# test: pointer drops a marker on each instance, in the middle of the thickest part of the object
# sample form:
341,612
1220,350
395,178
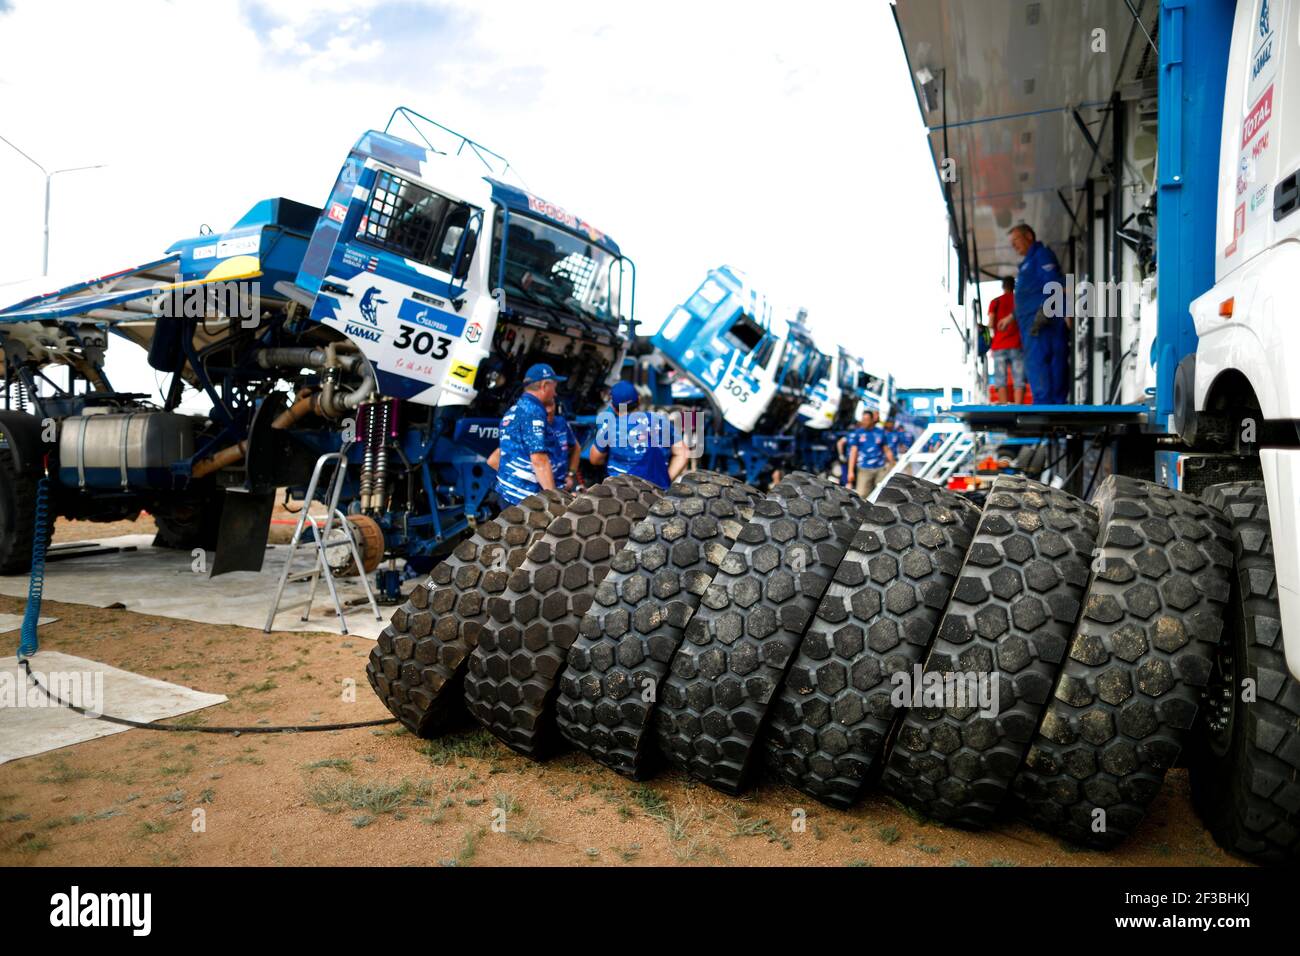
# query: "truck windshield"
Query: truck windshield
558,270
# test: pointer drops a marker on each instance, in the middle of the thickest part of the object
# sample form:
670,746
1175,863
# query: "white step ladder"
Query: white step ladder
953,444
330,530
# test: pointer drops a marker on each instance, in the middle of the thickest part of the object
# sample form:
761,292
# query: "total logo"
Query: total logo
473,332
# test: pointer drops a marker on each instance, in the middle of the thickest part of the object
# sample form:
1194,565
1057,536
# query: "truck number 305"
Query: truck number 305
736,388
422,343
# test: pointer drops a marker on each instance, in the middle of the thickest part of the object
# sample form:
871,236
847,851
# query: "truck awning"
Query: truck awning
1016,93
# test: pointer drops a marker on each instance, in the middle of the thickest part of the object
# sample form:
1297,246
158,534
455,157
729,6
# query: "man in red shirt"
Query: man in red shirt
1008,359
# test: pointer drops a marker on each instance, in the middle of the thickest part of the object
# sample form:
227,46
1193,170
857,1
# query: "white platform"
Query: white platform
162,581
30,724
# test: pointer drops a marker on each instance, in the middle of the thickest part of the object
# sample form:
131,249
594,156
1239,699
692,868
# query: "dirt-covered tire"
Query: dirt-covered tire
512,676
829,724
748,628
1126,700
1009,623
186,522
17,516
417,665
627,639
1245,765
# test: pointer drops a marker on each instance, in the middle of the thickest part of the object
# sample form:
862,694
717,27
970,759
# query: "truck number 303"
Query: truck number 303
422,343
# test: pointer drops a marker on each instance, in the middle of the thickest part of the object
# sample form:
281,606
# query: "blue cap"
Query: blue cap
623,393
540,373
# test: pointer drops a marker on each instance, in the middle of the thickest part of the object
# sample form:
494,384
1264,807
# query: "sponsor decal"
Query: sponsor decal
561,215
1258,117
370,303
338,211
473,332
463,372
239,246
1238,227
204,252
352,330
430,318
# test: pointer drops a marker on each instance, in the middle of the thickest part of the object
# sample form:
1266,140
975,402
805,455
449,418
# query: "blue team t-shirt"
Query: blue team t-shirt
635,444
870,443
525,431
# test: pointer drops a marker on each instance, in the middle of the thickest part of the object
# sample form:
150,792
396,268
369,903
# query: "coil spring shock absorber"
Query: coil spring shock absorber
376,427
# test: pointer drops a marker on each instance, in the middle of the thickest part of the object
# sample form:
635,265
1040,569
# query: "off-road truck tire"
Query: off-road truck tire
627,639
512,676
417,665
1008,623
829,723
1245,764
17,516
748,628
1126,700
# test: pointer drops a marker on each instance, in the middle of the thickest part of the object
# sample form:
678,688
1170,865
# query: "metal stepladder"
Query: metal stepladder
332,522
952,444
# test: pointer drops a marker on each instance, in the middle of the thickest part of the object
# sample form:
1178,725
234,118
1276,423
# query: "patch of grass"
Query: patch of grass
207,796
31,843
996,862
62,774
17,817
505,802
651,802
149,828
530,832
332,763
628,853
857,863
364,820
888,835
468,848
375,798
476,745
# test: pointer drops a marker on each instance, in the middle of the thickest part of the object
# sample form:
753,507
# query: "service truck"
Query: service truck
1154,147
394,320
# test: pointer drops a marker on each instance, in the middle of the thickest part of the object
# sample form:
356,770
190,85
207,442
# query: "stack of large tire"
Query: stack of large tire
1038,656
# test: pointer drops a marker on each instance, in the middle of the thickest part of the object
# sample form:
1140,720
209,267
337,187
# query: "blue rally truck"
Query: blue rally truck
1152,147
394,321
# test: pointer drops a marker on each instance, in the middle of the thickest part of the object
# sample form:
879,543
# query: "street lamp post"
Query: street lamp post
49,177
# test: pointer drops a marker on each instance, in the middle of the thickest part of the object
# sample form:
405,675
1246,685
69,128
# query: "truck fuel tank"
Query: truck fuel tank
123,449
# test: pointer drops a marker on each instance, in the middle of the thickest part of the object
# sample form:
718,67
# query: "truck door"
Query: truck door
1249,156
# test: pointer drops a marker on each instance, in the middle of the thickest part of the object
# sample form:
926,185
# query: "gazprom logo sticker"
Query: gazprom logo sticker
429,317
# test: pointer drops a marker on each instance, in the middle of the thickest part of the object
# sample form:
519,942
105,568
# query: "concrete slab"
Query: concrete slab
30,723
14,622
163,581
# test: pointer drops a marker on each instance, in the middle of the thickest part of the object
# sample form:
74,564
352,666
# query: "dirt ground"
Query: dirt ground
379,796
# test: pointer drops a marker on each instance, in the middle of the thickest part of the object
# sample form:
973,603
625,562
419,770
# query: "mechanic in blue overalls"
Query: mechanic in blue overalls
536,441
1044,337
633,442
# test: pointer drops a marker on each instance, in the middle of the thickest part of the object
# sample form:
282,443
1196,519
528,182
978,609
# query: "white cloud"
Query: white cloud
783,140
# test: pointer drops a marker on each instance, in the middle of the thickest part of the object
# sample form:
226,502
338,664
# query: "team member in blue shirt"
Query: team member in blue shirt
536,442
1044,338
632,442
869,453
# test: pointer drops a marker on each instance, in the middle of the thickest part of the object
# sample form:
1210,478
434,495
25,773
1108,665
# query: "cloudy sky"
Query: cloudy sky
781,138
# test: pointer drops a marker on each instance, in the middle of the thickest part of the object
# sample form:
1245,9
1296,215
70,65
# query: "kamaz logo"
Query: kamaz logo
361,332
1263,19
370,303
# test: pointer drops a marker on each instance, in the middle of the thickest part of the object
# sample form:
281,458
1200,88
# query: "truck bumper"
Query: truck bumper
1282,482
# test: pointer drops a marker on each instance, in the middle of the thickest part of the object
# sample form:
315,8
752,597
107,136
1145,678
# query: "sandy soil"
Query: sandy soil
381,796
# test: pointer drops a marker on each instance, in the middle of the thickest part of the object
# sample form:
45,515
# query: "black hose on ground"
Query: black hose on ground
237,731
